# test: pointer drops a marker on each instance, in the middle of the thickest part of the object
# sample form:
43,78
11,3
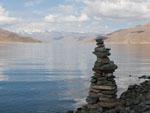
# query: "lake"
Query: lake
54,77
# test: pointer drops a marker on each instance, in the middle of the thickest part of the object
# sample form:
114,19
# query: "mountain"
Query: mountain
61,36
137,35
8,37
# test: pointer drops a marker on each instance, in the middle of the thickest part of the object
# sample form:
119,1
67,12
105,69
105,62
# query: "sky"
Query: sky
82,16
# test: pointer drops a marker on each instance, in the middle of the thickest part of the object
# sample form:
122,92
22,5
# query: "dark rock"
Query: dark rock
108,105
105,82
105,60
113,92
147,111
147,102
100,45
92,99
102,55
102,50
101,95
99,110
130,75
118,109
93,80
144,77
108,67
104,87
70,111
137,97
99,39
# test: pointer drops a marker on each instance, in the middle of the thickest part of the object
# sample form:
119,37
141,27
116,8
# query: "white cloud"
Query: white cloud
97,16
30,27
50,18
5,18
66,18
29,3
72,18
118,9
63,9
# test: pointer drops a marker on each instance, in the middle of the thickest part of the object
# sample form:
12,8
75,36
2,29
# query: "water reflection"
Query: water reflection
132,60
41,78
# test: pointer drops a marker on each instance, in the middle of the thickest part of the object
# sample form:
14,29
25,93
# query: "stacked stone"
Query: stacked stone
103,87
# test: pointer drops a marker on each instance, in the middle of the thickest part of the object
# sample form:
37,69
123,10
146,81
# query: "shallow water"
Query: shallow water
54,77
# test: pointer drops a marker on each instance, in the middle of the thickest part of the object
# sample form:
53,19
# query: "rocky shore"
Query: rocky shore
102,96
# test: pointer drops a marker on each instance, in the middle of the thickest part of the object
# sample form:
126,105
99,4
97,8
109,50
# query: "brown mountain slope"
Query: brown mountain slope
137,35
8,37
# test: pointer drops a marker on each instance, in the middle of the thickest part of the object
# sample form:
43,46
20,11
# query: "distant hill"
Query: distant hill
137,35
62,36
8,37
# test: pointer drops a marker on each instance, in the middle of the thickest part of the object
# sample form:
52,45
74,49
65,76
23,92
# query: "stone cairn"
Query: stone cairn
102,96
102,93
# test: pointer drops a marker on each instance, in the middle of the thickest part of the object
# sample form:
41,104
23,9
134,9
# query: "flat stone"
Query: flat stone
94,77
70,111
93,106
93,80
92,100
100,45
112,92
147,111
107,83
102,78
101,55
107,99
101,49
93,94
108,67
147,102
99,39
108,104
94,90
144,77
103,87
97,64
109,74
97,70
101,95
108,77
98,75
103,60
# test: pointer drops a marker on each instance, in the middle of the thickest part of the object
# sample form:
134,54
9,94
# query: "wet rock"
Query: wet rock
93,80
144,77
104,87
137,97
147,111
99,39
102,55
108,67
70,111
91,99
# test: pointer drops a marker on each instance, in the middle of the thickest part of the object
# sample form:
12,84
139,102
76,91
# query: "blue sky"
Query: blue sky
96,16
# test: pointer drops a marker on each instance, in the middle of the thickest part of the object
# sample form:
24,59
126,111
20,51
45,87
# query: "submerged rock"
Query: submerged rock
144,77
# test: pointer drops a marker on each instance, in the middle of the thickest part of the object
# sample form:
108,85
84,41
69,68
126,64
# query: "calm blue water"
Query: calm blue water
54,77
